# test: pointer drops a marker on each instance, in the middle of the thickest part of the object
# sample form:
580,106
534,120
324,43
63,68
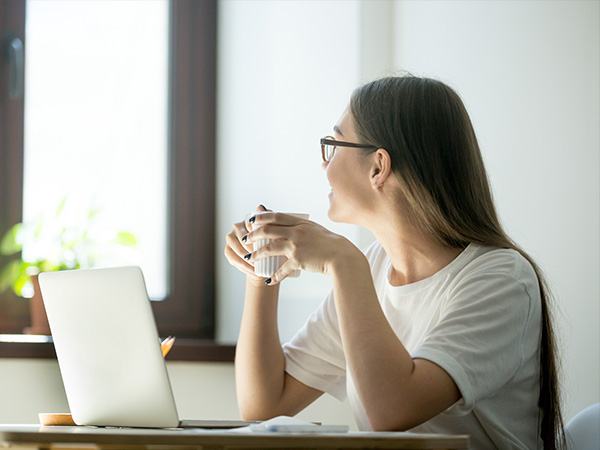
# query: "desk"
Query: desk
36,437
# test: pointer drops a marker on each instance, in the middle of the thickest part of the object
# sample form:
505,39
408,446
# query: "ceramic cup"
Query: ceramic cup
268,266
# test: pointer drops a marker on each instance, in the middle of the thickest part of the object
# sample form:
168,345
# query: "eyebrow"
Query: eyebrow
337,130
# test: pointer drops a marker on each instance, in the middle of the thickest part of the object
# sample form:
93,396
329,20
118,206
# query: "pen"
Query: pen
166,345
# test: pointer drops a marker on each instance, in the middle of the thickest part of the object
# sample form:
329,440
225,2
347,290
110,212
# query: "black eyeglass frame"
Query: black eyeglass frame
329,140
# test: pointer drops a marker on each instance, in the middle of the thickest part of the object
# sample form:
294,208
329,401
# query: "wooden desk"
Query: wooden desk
55,438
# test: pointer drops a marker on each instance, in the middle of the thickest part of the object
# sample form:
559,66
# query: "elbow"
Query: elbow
247,413
254,412
392,422
387,426
254,416
248,416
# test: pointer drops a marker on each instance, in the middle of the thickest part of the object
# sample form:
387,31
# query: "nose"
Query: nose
324,165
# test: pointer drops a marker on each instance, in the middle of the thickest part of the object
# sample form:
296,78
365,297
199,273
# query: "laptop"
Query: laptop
108,350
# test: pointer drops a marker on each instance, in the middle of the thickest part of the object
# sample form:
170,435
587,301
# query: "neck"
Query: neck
414,255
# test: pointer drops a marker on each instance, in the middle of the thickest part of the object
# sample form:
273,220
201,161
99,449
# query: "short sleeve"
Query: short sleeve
490,314
315,355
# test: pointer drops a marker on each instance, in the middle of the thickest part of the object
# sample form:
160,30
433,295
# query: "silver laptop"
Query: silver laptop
108,350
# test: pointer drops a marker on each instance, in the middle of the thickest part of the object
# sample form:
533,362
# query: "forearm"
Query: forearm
395,390
259,362
377,360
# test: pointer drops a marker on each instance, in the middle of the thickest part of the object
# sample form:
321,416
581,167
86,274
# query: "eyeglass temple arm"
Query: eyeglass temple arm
345,144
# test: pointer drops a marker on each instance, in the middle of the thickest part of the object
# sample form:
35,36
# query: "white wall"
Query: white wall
201,390
529,75
286,70
29,387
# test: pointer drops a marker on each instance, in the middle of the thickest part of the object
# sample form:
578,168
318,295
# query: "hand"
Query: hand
236,248
306,244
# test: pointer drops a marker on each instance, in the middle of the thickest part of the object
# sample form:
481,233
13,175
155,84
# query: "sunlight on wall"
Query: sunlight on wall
281,88
529,75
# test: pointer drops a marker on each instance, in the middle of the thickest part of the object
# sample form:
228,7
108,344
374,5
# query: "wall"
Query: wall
201,390
281,88
529,75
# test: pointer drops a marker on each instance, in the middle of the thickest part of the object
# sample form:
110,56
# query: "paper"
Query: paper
286,424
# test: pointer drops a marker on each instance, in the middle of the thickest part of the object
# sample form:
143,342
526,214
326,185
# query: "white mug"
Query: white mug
268,266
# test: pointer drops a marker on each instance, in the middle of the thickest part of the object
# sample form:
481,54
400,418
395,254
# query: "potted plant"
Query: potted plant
61,242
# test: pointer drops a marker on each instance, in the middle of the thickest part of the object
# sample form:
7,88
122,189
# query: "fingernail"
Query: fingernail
263,206
245,238
247,257
252,219
268,281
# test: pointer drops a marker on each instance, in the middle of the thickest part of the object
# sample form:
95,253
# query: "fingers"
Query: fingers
242,246
273,232
283,272
275,218
273,226
249,219
277,248
237,246
234,252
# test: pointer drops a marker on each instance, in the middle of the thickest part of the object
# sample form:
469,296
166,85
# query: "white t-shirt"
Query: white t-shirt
479,318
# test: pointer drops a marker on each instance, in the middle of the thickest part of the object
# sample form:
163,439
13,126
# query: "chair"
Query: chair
583,430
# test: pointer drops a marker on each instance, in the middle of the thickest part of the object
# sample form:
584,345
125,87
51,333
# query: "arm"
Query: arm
264,390
397,392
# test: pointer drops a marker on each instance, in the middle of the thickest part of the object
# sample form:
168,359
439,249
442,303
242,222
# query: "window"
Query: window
188,308
96,132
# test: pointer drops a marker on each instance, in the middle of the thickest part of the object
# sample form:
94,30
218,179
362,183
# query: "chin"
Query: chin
337,212
331,211
335,216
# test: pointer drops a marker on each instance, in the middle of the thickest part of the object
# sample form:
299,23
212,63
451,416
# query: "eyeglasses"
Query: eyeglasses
329,144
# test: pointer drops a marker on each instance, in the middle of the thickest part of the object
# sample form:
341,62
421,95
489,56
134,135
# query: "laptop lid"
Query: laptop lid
108,348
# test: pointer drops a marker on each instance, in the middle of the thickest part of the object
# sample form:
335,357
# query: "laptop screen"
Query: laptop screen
108,348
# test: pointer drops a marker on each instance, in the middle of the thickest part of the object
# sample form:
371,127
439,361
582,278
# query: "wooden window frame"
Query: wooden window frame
189,309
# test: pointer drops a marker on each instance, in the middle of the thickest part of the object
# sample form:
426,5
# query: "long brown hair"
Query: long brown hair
425,128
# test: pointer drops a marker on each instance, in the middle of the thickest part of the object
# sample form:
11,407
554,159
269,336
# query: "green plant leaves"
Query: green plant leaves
61,206
14,275
10,243
125,238
59,243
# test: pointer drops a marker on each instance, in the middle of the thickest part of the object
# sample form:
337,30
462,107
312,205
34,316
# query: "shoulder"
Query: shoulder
491,275
375,253
377,258
501,262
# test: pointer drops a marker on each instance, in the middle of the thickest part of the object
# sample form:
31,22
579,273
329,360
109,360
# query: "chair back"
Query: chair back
583,430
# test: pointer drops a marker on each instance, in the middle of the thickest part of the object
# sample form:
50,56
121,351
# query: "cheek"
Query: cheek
328,174
333,172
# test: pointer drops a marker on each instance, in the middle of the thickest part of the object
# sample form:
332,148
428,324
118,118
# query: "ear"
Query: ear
381,168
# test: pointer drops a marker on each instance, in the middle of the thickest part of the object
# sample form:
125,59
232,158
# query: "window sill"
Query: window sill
41,347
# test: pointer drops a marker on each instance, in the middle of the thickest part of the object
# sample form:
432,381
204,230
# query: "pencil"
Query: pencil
166,345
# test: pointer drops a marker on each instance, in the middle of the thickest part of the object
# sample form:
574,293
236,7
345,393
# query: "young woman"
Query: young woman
443,324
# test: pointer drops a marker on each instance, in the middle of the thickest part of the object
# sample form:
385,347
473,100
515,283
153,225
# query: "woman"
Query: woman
442,325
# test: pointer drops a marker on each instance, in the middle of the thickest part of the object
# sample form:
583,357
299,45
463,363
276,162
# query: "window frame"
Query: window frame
188,311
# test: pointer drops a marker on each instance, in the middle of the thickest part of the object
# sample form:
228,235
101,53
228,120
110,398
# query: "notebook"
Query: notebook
108,350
